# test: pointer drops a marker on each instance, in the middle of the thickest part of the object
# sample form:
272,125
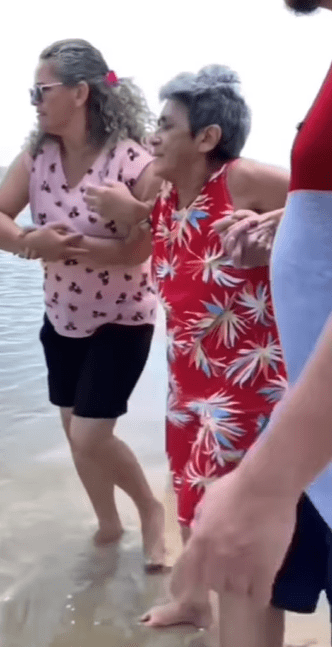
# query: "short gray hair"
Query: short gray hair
113,111
213,96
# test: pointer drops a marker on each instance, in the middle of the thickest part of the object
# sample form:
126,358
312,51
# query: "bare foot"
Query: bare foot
153,531
177,613
107,533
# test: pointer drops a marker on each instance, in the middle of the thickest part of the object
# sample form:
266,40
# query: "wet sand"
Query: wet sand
56,589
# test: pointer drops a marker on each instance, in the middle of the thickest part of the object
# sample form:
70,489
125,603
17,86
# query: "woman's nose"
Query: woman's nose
155,139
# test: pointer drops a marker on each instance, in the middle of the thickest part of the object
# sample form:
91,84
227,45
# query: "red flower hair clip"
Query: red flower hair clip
111,78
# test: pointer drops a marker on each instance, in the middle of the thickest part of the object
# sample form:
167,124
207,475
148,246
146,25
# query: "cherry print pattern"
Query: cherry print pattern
45,187
132,154
42,217
52,201
74,213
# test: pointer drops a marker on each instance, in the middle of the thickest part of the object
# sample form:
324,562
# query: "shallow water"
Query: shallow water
56,590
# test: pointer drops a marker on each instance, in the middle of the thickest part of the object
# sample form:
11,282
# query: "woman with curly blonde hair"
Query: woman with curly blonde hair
100,304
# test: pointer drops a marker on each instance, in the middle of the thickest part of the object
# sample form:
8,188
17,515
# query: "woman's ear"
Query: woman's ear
209,138
82,92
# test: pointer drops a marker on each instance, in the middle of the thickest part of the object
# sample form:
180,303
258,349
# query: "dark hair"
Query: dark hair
113,111
212,96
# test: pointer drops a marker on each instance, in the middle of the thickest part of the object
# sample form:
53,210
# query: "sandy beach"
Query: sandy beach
59,591
56,589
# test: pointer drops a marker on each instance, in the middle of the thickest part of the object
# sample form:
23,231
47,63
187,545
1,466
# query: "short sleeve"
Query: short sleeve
133,160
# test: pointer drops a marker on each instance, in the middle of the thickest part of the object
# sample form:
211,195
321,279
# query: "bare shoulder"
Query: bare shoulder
257,186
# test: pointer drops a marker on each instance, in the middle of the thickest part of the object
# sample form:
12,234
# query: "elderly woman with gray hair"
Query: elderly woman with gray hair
100,303
225,363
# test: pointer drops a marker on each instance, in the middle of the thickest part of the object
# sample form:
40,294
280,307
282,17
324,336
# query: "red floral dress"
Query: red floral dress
224,358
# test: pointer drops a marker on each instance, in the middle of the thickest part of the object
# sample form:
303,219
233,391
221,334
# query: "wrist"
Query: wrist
262,475
142,211
19,245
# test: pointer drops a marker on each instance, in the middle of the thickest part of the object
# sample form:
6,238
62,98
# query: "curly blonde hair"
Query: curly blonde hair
114,112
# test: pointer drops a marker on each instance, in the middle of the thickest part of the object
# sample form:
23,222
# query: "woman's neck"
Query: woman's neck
189,185
74,140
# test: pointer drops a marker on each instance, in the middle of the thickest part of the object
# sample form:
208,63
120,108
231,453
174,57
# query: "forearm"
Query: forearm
298,444
10,240
106,251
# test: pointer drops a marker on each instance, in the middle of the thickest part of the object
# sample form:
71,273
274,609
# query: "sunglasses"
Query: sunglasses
37,92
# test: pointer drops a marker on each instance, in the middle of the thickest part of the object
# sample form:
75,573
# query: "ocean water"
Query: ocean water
55,588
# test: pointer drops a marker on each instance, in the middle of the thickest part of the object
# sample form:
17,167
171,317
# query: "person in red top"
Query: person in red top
225,365
224,358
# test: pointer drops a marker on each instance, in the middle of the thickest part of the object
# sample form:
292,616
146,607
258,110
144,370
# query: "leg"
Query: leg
99,490
102,461
241,625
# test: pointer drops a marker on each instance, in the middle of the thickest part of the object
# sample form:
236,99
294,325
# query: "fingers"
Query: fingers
75,251
220,226
30,254
237,253
91,191
72,239
261,589
235,218
59,227
25,231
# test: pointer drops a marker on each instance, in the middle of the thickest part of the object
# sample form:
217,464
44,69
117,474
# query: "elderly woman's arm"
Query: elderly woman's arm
259,194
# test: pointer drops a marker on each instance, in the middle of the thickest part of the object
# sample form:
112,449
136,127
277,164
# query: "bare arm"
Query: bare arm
44,243
14,197
105,251
259,194
258,187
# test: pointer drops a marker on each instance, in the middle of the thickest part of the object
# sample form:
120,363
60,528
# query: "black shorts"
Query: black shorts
307,569
95,375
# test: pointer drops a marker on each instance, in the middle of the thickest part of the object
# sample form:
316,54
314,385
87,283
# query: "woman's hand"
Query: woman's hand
248,236
52,243
238,542
113,200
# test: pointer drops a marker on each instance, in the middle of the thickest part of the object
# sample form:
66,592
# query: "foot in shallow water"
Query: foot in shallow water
178,613
108,533
153,531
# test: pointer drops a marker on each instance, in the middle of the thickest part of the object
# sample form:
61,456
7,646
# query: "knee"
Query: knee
82,447
88,437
